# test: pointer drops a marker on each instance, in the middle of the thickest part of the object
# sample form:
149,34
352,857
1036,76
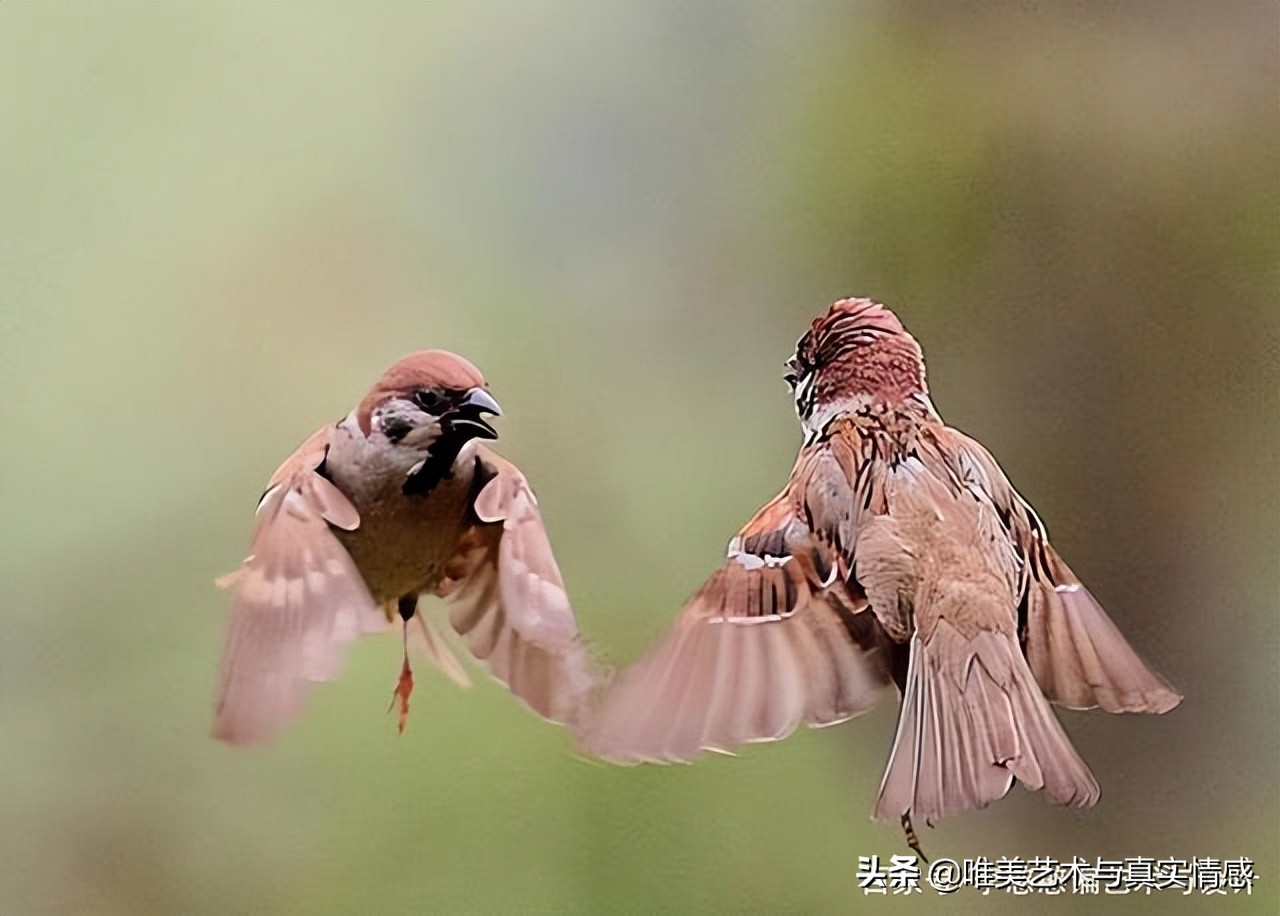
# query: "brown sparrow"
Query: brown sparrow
397,499
898,550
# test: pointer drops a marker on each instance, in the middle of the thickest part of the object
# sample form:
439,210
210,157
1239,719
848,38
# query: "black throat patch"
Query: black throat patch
438,465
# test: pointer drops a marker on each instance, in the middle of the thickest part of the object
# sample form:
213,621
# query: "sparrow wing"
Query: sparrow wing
297,601
1079,657
759,649
507,598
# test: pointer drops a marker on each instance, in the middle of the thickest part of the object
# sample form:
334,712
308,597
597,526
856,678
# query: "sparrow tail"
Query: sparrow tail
972,719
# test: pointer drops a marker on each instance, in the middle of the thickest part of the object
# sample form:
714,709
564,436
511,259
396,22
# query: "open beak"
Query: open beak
470,411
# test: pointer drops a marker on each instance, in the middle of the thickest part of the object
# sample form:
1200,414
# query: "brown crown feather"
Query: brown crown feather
421,369
859,346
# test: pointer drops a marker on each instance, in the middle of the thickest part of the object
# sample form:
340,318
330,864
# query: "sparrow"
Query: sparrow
398,499
897,552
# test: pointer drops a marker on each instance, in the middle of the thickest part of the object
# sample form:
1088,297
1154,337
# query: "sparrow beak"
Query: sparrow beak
470,410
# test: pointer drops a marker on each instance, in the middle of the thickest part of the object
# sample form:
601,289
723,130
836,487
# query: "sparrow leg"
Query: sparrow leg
912,840
408,606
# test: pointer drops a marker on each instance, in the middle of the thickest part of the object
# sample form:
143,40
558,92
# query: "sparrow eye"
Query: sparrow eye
429,399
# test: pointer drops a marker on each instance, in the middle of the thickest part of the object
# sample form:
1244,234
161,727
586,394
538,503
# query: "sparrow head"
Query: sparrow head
429,396
855,354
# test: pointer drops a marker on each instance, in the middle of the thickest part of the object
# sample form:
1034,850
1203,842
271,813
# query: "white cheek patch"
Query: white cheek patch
804,395
410,424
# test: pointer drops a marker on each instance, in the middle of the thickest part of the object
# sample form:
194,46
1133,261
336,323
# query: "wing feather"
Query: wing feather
756,651
508,601
1078,655
297,603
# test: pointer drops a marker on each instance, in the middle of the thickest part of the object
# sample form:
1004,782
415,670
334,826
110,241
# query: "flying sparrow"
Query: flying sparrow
897,551
397,499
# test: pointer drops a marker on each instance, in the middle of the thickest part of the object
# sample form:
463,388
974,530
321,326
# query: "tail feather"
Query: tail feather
972,719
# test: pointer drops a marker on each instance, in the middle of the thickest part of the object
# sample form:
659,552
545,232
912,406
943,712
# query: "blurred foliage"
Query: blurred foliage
220,223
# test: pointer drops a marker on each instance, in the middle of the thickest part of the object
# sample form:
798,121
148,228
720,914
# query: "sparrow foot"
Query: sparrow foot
400,699
912,840
404,687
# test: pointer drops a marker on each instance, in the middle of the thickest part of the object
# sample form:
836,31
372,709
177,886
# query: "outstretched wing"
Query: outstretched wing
762,647
508,601
297,602
1079,657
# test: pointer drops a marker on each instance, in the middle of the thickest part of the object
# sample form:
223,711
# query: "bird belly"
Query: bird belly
404,541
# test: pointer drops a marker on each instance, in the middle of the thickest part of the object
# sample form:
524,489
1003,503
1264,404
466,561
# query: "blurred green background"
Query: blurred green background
221,222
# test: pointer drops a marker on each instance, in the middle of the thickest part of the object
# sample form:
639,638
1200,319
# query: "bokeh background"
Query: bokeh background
221,222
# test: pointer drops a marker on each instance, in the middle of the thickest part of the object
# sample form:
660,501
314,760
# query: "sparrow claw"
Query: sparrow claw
400,699
912,840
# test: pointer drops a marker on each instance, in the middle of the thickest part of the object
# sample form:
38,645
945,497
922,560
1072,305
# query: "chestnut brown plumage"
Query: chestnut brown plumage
397,499
899,552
